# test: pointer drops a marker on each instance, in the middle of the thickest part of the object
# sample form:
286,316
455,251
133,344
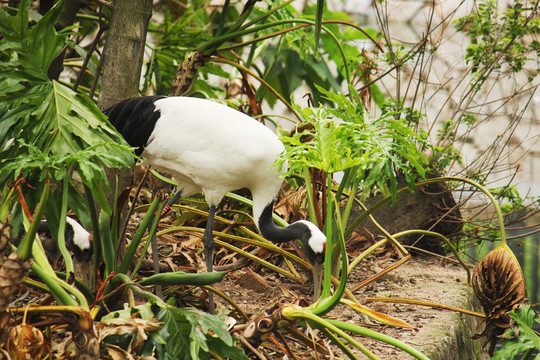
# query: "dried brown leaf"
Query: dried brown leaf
121,326
114,352
289,207
380,317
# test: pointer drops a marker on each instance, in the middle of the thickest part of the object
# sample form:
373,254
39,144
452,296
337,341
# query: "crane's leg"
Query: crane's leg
208,240
153,242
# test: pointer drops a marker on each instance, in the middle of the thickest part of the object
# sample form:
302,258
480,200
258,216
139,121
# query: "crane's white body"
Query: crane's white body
211,148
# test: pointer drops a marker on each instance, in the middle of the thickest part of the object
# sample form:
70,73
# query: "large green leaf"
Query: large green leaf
519,338
31,48
191,334
347,136
43,124
66,128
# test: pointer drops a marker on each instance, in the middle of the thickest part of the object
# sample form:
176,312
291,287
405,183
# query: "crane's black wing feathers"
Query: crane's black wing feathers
135,119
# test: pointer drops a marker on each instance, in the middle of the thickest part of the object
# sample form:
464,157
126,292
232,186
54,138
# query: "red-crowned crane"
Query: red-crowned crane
211,148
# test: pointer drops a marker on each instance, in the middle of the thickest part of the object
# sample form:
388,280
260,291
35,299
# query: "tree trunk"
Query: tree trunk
122,64
123,53
431,207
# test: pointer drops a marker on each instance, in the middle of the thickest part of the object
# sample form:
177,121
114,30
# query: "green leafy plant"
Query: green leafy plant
48,133
180,333
347,137
496,37
520,338
370,152
44,123
294,46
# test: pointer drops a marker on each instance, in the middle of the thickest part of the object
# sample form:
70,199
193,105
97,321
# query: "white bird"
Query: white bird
211,148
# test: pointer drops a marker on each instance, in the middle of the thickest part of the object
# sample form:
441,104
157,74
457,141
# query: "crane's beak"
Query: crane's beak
317,268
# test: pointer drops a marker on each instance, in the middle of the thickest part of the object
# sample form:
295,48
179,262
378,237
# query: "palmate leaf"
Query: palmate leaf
344,137
66,125
190,334
521,337
44,124
32,49
70,122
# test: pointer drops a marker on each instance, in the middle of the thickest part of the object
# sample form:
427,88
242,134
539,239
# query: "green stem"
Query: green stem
61,296
445,239
257,240
259,260
5,204
107,246
266,245
61,239
149,239
527,353
369,211
327,281
291,313
261,91
310,195
130,253
337,341
305,24
378,336
212,45
326,304
227,299
124,279
95,231
481,188
364,254
247,201
222,17
350,201
24,251
257,20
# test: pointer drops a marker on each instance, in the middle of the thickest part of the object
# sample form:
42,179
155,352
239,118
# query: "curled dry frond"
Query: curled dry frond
499,284
86,340
265,323
5,235
12,274
27,342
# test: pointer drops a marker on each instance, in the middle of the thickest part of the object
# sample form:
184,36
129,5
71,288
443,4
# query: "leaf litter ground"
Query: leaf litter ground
253,287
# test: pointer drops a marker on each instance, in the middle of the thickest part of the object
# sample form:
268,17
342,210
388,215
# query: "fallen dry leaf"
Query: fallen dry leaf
121,326
380,317
289,207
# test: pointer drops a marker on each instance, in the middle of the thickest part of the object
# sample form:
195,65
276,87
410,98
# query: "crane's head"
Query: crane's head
314,242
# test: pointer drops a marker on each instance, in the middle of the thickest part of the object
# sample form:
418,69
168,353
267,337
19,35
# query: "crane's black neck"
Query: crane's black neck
278,234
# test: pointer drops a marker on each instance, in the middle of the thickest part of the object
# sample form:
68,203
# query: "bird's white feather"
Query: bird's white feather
215,149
